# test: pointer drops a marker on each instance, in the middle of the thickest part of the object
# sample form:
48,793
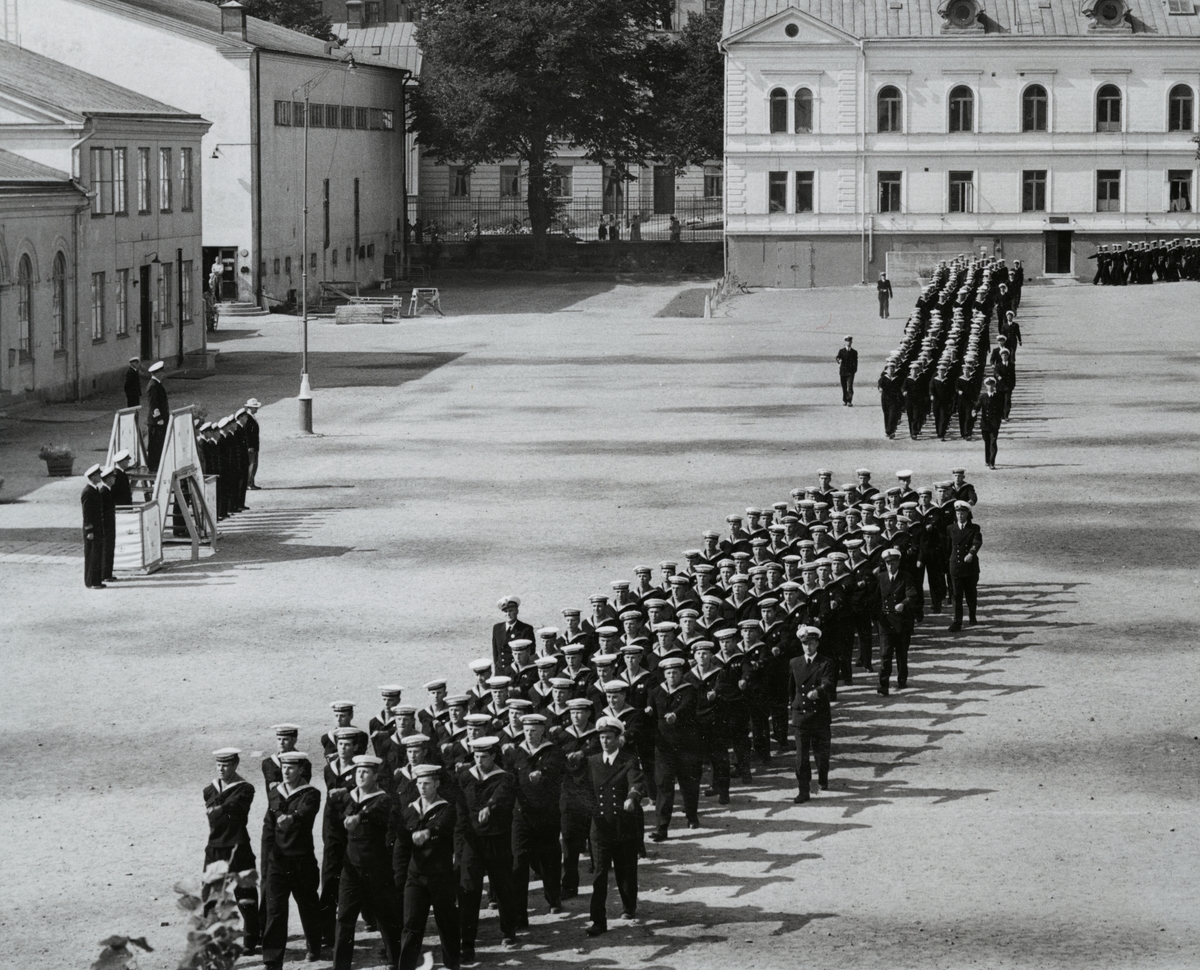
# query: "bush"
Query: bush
56,453
215,923
116,954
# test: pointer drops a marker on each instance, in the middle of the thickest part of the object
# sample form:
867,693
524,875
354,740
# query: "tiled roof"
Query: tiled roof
396,43
14,168
920,18
44,81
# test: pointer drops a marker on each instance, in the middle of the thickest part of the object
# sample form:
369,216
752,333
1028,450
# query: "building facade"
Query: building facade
862,137
251,79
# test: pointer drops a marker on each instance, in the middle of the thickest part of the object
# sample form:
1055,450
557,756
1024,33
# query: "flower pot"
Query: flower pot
60,467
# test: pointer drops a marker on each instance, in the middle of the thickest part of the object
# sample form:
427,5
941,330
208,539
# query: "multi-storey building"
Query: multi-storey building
873,133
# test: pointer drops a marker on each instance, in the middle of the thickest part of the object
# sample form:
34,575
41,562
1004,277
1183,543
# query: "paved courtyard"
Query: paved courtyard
1033,800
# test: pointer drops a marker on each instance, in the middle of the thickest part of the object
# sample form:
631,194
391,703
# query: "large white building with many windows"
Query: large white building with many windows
866,135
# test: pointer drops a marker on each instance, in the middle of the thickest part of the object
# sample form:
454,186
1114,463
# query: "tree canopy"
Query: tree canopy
302,15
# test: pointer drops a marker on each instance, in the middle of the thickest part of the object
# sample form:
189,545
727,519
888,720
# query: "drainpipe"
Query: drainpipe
77,176
179,304
862,152
256,173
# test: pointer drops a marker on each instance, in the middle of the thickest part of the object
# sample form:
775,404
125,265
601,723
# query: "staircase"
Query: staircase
240,310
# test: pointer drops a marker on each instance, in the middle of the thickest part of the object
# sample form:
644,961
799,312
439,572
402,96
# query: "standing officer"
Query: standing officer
121,489
884,290
539,767
990,409
109,505
227,801
676,747
241,440
430,822
895,611
93,529
504,632
156,401
963,540
252,407
811,682
133,384
617,789
847,359
289,860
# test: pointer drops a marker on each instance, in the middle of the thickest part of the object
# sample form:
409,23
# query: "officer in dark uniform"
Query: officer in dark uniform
289,863
506,631
963,541
133,383
617,789
121,489
109,507
990,410
242,442
896,606
429,822
252,441
811,680
538,766
156,421
676,747
227,801
93,529
847,358
735,699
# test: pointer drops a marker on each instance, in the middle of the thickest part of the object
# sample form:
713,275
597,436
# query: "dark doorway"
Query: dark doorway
145,319
228,257
614,191
664,190
1058,252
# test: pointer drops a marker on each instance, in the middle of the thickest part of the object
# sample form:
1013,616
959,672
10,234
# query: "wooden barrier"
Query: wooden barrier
138,546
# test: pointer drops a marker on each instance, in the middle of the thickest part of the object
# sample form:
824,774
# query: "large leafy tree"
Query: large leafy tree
518,78
689,89
302,15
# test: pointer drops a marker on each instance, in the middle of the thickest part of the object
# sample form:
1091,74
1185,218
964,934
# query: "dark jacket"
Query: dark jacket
990,408
893,592
288,824
436,856
959,542
366,842
539,781
612,785
501,637
847,359
682,736
93,512
122,493
804,677
156,398
227,813
133,388
497,793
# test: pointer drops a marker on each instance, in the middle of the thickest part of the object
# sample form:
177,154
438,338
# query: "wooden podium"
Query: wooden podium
139,540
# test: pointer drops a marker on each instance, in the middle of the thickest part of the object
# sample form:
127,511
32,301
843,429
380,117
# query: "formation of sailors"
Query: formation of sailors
228,448
734,654
1147,261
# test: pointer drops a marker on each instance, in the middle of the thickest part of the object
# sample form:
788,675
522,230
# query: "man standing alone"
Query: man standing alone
93,530
133,384
884,289
847,359
156,396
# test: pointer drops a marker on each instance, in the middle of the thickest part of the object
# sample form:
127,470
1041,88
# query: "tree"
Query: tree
688,79
518,78
302,15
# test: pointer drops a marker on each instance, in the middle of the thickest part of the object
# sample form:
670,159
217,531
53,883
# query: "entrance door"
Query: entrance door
614,191
146,324
664,190
1058,252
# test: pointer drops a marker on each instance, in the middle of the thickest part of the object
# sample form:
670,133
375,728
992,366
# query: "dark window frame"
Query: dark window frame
777,112
1033,190
889,109
962,109
1035,109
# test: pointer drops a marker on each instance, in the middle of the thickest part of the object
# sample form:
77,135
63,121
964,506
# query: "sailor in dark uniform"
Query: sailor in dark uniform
156,420
227,801
92,502
133,383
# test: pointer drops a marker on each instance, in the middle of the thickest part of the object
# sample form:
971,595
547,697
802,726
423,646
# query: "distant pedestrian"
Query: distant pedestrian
676,229
847,359
93,530
156,396
990,409
635,228
602,229
251,409
1016,282
884,289
214,280
133,384
108,500
614,228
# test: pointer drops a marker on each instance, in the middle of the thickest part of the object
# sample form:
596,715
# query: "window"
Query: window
1180,185
283,113
804,111
316,116
164,180
962,191
121,301
1108,108
370,250
58,302
287,265
1033,191
102,186
371,12
24,304
185,292
714,182
1108,190
120,189
332,113
143,180
804,191
388,120
166,312
1179,114
375,118
97,306
889,191
1034,108
298,114
360,118
312,260
333,258
1180,8
777,192
349,255
510,181
347,116
778,110
460,181
962,109
275,266
889,108
561,181
186,192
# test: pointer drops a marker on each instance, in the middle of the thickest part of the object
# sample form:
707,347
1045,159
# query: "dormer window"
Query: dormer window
960,15
1107,15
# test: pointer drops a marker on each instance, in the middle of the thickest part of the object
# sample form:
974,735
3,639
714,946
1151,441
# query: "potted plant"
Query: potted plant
59,459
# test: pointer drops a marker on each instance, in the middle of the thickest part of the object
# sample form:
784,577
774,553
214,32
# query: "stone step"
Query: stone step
241,310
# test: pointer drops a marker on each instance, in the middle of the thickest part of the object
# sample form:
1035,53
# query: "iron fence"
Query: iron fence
700,219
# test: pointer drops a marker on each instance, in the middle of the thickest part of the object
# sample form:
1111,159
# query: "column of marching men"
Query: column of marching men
734,656
940,367
1149,261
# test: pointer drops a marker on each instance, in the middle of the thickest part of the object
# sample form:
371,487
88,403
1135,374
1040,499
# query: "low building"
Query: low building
880,135
100,229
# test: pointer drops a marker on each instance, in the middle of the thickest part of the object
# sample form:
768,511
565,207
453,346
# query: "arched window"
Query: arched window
1034,108
1179,115
962,109
24,303
1108,108
779,100
58,300
804,111
889,108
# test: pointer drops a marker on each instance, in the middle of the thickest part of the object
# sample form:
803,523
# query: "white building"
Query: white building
249,78
872,133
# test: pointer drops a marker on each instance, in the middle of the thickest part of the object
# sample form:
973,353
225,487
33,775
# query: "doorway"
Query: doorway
227,255
664,190
1058,252
146,318
614,191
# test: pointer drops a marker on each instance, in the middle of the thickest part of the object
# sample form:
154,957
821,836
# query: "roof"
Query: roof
53,84
206,17
920,18
14,168
396,43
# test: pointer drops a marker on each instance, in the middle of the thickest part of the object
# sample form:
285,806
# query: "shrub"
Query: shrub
215,923
116,954
56,452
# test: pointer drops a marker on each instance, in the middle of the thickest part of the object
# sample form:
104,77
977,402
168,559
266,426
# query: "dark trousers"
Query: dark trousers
990,441
883,306
937,585
285,877
421,893
918,575
671,768
253,469
155,439
574,842
847,388
964,587
813,740
737,729
366,889
110,543
240,858
331,875
714,750
913,409
535,842
760,721
489,856
622,857
646,757
93,559
894,644
863,630
842,635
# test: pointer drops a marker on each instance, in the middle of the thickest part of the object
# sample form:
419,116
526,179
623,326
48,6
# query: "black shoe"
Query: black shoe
628,915
824,785
881,691
595,930
250,951
509,942
658,836
954,627
747,778
555,910
312,956
709,792
723,798
900,686
569,894
467,955
98,586
972,621
693,823
800,799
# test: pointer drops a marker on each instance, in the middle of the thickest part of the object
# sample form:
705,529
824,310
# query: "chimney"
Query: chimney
233,19
354,14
